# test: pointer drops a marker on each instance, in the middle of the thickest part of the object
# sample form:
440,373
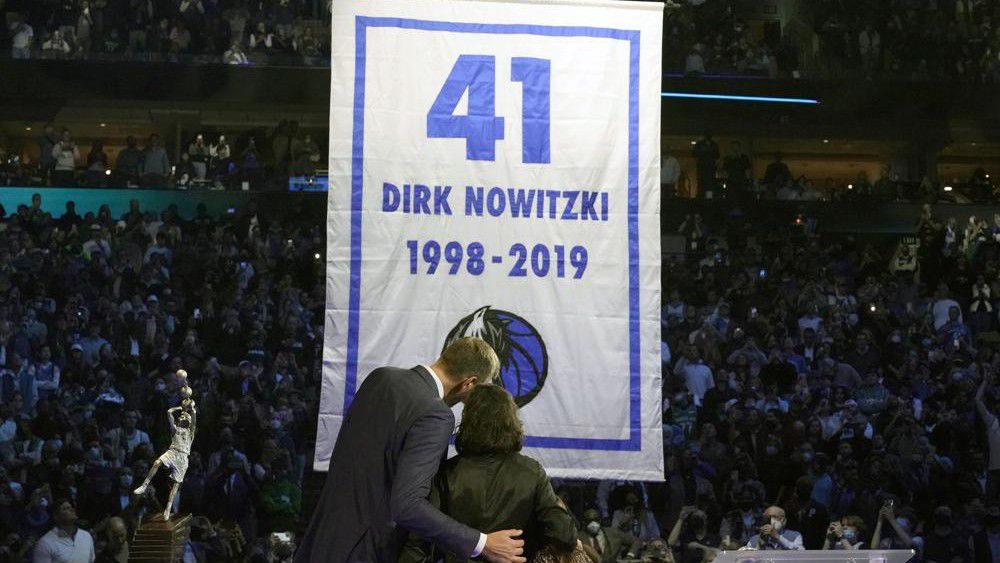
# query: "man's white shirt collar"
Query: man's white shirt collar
437,381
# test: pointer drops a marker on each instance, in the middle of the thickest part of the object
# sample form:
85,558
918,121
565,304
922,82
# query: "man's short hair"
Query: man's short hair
55,506
471,356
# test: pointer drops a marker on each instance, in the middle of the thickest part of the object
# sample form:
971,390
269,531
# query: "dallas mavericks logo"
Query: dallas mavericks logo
524,363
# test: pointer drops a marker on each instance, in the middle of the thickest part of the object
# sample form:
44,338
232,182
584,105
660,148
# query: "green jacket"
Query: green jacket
282,501
497,492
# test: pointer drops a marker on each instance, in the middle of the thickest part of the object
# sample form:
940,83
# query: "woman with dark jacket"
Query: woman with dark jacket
490,486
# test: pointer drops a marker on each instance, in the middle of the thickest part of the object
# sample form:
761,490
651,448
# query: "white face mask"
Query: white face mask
126,481
776,524
593,528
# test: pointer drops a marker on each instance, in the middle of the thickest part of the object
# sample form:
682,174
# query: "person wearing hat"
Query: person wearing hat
98,241
856,429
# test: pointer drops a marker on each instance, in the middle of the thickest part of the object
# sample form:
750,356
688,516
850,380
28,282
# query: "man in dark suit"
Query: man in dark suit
606,544
393,438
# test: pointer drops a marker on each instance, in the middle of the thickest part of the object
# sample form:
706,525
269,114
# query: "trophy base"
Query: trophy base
159,540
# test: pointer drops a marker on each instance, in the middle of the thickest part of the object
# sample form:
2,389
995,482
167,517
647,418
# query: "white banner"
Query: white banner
494,171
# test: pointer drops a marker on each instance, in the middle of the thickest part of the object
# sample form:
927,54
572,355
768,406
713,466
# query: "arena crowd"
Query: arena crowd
884,39
96,315
250,160
944,40
237,32
828,393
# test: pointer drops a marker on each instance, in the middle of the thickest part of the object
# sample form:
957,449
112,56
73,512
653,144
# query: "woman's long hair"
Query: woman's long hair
490,423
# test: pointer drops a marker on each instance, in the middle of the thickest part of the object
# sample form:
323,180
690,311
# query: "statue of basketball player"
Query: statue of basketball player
182,436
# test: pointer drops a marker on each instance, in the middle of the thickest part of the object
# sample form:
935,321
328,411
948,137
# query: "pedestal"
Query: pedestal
159,541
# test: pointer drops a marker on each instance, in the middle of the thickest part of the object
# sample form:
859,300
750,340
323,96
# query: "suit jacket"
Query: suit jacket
617,543
390,446
499,492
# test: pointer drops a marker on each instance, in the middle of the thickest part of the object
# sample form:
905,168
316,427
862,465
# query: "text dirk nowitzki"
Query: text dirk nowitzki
563,205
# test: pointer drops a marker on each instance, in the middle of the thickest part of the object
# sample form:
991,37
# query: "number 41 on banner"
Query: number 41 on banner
482,128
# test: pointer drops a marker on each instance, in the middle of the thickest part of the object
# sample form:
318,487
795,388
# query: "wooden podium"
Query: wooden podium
159,541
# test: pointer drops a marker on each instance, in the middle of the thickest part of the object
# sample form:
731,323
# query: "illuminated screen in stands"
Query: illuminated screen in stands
308,183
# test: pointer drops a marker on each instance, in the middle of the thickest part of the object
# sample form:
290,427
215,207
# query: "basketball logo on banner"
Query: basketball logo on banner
494,173
523,360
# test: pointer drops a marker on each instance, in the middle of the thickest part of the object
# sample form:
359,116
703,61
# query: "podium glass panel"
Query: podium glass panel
833,556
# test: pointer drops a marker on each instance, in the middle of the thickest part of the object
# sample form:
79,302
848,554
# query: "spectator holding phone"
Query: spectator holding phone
65,153
844,534
690,537
772,535
636,519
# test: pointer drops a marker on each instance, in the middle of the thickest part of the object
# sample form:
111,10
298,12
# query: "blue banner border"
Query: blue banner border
362,23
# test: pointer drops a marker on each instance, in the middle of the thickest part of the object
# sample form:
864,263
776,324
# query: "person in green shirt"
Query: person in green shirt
281,499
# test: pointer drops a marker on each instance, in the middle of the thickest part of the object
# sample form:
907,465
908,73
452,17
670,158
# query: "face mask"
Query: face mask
776,524
95,453
807,457
903,523
593,528
44,503
772,450
160,387
126,481
275,424
850,535
895,339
